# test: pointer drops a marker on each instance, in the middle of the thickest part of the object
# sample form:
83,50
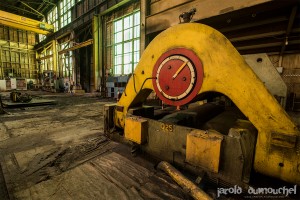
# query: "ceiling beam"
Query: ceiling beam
40,14
264,45
289,29
45,7
257,36
254,24
78,46
49,2
17,9
41,6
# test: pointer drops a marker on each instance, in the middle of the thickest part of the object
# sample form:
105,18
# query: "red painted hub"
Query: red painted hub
179,74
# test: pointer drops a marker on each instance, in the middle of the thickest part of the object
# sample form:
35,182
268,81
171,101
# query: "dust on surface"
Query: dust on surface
60,151
37,143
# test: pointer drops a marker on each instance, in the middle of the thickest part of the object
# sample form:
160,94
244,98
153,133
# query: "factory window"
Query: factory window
126,43
46,59
65,12
66,61
42,37
52,18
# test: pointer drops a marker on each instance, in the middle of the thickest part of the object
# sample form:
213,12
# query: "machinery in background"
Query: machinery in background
48,80
116,85
18,97
13,84
189,63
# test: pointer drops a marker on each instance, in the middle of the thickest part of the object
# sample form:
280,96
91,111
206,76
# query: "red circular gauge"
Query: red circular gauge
179,76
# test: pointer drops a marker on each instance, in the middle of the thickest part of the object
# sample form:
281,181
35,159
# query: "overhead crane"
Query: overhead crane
24,23
187,63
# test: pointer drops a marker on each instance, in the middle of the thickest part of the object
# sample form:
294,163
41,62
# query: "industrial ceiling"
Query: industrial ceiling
269,27
28,8
272,27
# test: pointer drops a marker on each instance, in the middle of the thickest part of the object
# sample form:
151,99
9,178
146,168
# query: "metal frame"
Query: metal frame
131,40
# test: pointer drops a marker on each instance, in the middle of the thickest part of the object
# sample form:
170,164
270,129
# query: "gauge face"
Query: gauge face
179,74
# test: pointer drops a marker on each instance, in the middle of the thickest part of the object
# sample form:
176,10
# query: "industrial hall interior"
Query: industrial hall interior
149,99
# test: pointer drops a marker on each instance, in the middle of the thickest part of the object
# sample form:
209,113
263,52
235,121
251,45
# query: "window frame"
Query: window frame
133,39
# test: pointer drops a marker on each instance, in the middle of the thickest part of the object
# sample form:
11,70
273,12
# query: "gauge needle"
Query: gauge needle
180,69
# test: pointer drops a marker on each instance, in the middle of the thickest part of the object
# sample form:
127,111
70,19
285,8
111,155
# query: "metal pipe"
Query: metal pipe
186,184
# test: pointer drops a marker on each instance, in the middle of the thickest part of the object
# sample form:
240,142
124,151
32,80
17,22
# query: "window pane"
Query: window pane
136,45
118,60
136,56
128,34
118,25
136,31
118,49
127,47
137,18
127,69
128,22
118,69
118,37
127,58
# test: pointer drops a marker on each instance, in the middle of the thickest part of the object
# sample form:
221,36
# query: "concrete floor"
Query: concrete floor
60,152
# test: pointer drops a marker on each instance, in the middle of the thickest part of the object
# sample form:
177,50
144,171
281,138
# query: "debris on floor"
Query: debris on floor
60,152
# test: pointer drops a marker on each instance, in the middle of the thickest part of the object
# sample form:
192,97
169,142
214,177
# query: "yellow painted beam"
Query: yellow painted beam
24,23
96,54
78,46
54,49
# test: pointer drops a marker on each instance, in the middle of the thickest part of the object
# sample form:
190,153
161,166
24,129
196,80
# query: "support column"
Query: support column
95,70
143,25
54,54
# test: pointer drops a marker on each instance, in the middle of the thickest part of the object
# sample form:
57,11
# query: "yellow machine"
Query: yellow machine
184,64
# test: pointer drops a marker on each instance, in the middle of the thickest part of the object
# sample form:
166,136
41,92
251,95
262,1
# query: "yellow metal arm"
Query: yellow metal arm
225,71
24,23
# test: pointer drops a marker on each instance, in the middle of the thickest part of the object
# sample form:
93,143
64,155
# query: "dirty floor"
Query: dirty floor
60,152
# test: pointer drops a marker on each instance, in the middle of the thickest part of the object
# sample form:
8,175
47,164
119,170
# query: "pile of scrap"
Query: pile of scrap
16,96
17,99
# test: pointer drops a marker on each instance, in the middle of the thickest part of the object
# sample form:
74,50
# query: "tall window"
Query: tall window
52,18
126,43
65,12
66,61
46,60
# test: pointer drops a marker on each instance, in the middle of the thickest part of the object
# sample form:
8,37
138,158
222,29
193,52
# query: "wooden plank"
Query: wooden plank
205,9
110,176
